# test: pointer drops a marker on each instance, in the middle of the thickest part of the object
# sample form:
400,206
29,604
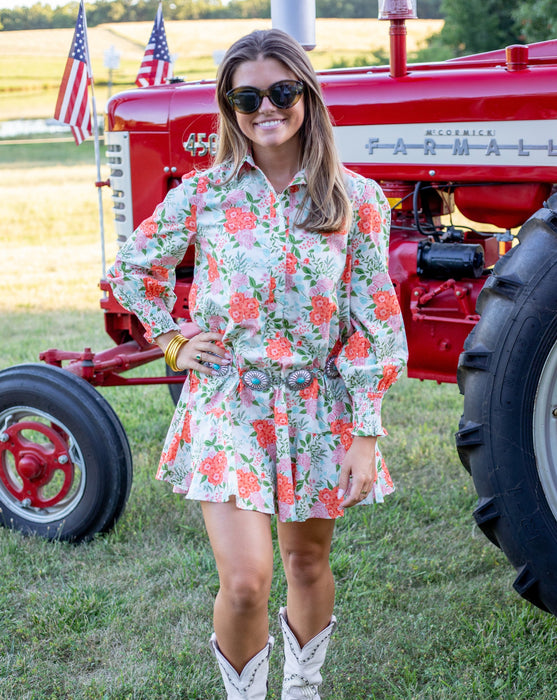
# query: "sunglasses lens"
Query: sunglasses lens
245,101
285,94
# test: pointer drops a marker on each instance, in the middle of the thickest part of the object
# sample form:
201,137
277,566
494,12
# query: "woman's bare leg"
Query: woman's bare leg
305,549
243,550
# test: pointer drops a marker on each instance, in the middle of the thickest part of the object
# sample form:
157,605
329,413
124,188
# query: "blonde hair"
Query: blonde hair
329,205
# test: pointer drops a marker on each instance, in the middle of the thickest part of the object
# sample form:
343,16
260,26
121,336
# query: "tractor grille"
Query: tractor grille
118,157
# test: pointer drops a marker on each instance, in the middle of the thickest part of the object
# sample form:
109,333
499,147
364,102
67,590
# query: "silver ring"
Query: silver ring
198,357
218,370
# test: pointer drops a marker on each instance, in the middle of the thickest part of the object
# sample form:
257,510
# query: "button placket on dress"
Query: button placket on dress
277,268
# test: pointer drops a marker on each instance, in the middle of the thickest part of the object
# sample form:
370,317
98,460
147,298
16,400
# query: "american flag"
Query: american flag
72,106
156,66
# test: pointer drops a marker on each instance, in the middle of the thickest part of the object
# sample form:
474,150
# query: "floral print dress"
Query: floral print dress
284,299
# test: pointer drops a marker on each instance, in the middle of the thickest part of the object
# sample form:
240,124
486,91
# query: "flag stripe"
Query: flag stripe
156,66
80,103
65,93
72,105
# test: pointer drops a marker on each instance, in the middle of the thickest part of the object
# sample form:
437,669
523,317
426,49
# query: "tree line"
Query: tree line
43,16
470,27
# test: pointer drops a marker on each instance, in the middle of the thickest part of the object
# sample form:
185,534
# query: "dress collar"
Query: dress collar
248,164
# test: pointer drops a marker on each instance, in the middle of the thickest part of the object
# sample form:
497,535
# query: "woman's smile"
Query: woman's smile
270,130
270,123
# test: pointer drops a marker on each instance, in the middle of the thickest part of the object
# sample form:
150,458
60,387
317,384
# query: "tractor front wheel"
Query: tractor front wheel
507,437
65,462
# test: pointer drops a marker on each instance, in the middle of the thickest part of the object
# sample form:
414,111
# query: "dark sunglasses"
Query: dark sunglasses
284,94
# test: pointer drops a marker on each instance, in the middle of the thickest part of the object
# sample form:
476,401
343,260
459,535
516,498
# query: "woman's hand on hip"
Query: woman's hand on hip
203,347
358,472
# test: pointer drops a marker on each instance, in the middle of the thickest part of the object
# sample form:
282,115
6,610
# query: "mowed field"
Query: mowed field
32,62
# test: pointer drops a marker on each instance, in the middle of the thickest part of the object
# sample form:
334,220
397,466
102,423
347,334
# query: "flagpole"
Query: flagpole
97,148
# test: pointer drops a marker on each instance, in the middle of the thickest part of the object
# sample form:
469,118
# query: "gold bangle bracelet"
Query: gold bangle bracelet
172,350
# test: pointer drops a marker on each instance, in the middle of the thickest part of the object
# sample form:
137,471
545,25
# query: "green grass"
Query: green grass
425,602
61,151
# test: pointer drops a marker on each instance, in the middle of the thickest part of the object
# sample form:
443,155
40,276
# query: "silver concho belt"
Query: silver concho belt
297,380
260,380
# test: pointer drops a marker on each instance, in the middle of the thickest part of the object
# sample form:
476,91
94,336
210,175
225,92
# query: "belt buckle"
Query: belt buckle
256,379
299,379
331,369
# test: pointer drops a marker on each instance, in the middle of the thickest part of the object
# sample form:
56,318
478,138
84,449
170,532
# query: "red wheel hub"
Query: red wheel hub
36,461
30,466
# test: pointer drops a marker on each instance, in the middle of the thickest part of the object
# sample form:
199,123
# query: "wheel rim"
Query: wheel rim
545,429
42,469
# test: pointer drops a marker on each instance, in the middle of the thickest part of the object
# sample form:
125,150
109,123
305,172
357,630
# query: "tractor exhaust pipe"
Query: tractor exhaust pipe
297,18
397,12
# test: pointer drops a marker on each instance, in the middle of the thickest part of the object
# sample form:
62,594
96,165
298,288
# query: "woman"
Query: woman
300,336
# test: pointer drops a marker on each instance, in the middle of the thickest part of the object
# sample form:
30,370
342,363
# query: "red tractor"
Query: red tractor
477,135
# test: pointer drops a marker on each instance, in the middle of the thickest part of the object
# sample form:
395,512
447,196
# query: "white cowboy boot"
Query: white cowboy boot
251,683
302,667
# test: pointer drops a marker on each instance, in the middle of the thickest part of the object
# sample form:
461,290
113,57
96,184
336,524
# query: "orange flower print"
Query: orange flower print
357,346
190,222
346,439
159,271
202,184
148,227
281,418
170,455
310,392
194,382
347,270
291,263
285,489
386,474
370,219
386,305
213,467
243,307
265,431
239,220
248,220
389,377
272,209
186,429
278,348
247,483
272,287
330,498
344,429
323,309
337,426
153,288
213,269
192,297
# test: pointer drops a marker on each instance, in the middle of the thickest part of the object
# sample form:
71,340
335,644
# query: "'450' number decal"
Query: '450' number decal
200,144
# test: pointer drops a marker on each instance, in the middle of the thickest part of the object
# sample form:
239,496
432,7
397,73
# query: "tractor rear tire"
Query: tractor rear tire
175,389
65,461
507,437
